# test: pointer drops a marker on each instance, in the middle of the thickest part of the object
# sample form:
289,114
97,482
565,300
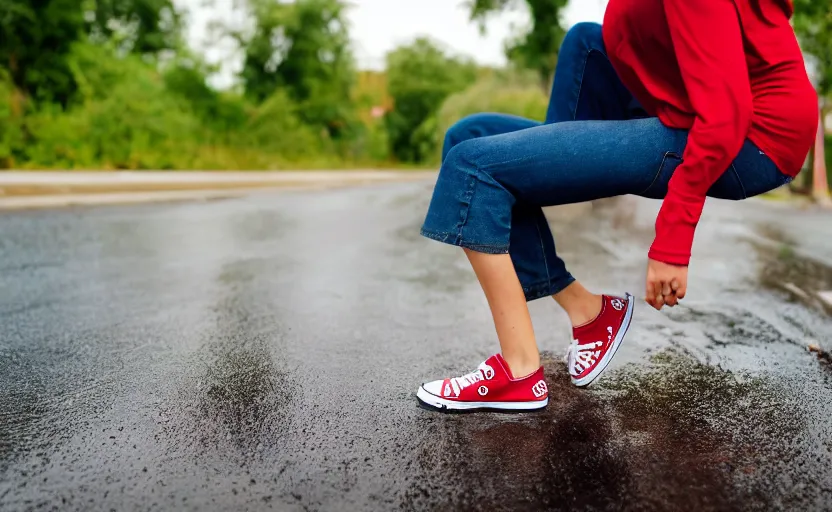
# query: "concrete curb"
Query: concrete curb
80,188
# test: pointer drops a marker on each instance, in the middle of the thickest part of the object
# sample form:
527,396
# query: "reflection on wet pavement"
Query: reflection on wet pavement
679,436
239,393
263,353
784,269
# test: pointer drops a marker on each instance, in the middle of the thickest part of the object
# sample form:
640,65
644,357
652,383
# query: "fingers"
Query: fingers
649,293
654,295
682,291
678,289
666,284
670,289
652,302
659,302
659,294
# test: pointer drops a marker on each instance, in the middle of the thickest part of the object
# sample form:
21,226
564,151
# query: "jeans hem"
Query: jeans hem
453,239
547,288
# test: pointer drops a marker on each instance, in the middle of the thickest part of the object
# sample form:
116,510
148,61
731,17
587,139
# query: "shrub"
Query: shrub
124,118
519,96
11,123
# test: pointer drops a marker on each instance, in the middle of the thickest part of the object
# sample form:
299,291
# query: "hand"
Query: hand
666,284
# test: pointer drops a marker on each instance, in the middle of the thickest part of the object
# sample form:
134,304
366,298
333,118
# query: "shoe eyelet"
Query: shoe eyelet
488,372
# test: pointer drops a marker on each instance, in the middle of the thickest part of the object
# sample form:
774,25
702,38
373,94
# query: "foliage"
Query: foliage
828,152
276,127
110,84
222,111
36,38
507,94
537,48
123,123
813,25
302,47
11,121
420,77
135,26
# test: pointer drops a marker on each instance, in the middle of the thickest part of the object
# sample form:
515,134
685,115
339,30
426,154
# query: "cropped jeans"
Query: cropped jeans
498,171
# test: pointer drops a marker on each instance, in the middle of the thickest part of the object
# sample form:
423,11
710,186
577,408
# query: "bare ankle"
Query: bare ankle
587,311
581,305
522,365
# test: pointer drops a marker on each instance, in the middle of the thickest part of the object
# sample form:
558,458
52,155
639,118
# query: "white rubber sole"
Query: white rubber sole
443,404
605,361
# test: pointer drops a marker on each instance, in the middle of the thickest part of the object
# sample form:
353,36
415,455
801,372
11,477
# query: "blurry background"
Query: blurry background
270,84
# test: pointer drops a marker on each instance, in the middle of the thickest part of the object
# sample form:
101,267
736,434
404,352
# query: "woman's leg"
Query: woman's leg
525,166
509,311
483,125
498,279
585,87
483,181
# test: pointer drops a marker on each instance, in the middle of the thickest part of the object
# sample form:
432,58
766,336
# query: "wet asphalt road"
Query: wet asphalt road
263,353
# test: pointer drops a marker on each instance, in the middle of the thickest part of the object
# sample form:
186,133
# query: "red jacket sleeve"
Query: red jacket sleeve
708,42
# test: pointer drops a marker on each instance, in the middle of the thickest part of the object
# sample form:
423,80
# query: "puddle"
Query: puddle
674,435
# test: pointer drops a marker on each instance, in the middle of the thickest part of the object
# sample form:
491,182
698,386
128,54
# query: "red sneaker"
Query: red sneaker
491,387
596,343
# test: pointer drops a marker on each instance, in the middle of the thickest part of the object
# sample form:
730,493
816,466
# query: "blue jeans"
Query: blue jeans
597,142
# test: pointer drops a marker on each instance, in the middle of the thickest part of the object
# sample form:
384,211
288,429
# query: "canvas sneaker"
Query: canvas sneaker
490,387
595,344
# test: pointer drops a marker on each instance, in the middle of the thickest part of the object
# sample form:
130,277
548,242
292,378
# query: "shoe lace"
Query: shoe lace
482,373
580,356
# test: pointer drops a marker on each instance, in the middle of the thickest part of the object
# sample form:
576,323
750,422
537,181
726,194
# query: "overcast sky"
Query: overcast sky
377,26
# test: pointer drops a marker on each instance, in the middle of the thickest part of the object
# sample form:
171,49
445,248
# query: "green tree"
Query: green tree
136,26
813,26
186,78
35,39
122,117
11,123
303,47
536,49
420,76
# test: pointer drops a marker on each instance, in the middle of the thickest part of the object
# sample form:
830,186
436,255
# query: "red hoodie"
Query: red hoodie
725,70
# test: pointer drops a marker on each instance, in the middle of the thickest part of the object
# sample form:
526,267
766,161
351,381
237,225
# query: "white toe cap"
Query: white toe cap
434,388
